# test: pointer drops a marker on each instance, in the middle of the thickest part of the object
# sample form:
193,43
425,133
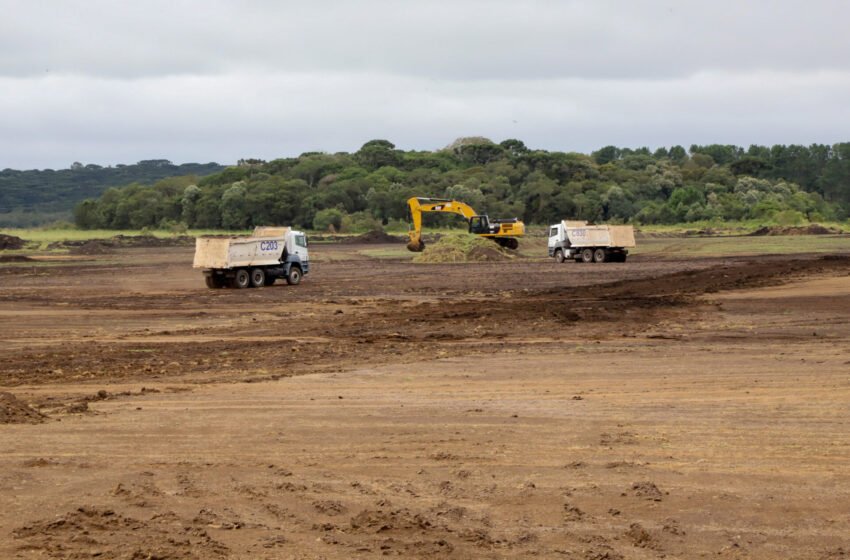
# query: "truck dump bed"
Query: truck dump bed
237,252
581,234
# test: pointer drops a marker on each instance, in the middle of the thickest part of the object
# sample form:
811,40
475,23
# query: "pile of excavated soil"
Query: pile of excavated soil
10,242
151,241
93,247
374,236
811,229
463,248
13,411
90,532
99,246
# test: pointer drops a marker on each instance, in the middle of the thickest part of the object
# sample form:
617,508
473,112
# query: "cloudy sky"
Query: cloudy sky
104,81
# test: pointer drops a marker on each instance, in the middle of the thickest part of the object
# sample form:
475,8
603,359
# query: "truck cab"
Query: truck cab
558,240
295,252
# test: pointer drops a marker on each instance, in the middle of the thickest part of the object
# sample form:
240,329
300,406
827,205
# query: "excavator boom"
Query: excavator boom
504,232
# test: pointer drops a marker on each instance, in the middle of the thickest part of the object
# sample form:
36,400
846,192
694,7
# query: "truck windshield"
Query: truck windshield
553,232
301,240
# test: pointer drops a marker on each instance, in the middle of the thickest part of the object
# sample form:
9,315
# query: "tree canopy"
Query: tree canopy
506,179
35,196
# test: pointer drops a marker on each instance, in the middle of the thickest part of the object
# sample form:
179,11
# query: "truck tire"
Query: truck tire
258,278
294,277
242,279
512,244
600,255
559,256
215,282
587,255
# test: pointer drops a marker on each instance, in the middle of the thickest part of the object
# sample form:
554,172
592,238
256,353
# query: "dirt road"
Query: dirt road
654,409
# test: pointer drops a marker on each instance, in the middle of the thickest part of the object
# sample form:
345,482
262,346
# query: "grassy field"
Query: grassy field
43,235
743,245
687,247
680,244
725,228
399,252
679,247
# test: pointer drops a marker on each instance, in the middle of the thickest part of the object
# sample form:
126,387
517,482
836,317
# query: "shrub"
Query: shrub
360,222
324,219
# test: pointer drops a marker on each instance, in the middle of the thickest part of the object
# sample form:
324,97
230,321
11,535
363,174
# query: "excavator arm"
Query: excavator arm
418,205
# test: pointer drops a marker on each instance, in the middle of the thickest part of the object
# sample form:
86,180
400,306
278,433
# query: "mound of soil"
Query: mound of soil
100,246
463,248
91,532
647,490
15,258
93,247
10,242
13,411
374,236
371,237
492,253
658,234
151,241
811,229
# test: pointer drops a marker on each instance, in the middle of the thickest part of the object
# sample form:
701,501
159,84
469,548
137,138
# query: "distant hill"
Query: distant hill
36,196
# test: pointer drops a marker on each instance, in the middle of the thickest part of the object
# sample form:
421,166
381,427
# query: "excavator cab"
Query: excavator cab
479,225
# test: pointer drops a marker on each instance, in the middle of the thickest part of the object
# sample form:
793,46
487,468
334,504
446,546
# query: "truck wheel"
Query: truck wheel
587,255
258,278
215,282
294,277
600,256
242,279
559,256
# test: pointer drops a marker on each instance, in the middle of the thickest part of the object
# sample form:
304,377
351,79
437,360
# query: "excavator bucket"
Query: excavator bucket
416,246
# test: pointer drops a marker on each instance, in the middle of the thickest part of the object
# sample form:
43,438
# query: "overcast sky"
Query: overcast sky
105,81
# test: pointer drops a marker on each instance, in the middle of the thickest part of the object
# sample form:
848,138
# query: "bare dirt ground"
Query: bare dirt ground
654,409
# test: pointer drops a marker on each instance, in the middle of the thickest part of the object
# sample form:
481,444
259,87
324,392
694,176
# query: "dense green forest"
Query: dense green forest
38,196
355,191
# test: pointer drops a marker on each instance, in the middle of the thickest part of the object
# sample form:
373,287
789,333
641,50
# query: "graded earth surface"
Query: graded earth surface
659,408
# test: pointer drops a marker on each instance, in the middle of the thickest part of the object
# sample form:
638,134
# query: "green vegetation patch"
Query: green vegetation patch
368,189
33,197
463,248
690,247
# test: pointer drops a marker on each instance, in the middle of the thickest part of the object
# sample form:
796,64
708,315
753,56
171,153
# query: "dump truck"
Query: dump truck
584,242
253,261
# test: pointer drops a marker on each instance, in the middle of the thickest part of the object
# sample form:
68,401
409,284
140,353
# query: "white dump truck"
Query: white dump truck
590,243
253,261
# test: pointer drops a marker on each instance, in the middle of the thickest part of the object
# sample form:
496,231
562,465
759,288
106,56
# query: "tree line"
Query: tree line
368,188
36,196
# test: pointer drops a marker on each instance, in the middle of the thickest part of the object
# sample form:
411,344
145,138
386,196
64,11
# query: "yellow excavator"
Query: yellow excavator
504,232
